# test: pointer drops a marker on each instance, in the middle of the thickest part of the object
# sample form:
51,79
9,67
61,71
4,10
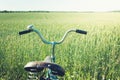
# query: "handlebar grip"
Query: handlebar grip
24,32
81,31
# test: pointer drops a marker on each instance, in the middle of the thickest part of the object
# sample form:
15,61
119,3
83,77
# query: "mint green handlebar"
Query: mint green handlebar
31,27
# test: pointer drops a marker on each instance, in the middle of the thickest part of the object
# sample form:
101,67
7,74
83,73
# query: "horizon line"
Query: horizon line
54,11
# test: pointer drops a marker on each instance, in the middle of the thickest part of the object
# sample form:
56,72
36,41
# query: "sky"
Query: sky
60,5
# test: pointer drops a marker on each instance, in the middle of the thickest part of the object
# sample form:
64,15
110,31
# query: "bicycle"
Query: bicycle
47,69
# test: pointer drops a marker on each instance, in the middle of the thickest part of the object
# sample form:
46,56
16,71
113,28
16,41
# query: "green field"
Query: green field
95,56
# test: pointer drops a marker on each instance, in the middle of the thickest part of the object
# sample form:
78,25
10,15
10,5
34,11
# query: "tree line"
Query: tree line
6,11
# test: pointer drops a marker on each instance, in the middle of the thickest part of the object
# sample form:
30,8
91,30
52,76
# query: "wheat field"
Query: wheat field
95,56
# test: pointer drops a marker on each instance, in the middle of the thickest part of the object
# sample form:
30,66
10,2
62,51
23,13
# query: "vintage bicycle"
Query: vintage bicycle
46,69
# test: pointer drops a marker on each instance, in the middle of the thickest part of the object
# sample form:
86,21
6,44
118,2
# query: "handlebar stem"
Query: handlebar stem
53,43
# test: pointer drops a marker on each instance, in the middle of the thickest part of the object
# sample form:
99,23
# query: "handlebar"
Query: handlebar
24,32
81,31
31,28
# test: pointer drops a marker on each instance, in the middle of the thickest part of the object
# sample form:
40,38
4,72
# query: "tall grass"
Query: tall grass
94,56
